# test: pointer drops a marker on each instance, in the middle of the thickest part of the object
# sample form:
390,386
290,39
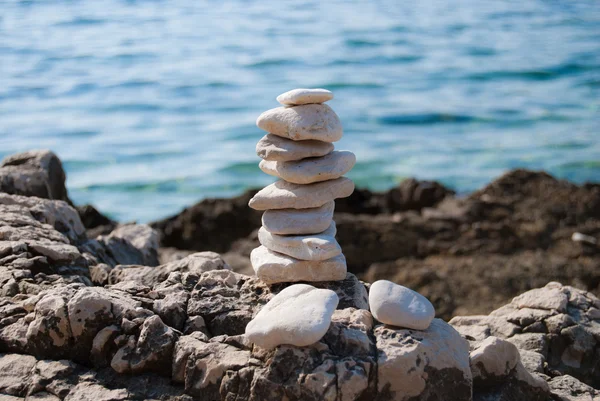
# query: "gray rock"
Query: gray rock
493,358
410,361
143,238
93,391
130,244
151,352
568,388
58,214
35,173
565,341
15,372
196,263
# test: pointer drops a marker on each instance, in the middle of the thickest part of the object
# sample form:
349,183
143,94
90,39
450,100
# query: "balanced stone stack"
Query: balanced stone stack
298,233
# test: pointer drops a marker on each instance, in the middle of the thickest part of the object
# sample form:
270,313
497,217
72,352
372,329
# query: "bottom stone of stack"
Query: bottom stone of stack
272,267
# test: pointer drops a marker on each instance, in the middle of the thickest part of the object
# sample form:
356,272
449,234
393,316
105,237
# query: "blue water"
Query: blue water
151,104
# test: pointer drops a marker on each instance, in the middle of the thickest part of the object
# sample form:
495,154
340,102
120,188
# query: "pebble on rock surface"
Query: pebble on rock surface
273,267
315,169
297,97
299,221
299,315
275,148
399,306
310,121
285,195
309,247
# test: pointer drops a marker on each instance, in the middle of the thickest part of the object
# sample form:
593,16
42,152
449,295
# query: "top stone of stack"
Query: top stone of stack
297,97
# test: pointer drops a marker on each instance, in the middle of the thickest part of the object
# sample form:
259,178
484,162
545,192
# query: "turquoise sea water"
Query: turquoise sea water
151,104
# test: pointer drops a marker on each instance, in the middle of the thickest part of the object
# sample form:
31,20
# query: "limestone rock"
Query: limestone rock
316,169
196,263
568,388
202,366
15,370
304,96
275,148
142,237
151,352
493,357
399,306
311,121
35,173
410,361
299,221
311,247
58,214
533,321
299,315
284,195
499,374
272,267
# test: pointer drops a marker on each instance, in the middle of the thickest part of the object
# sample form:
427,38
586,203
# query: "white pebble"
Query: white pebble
304,96
299,315
399,306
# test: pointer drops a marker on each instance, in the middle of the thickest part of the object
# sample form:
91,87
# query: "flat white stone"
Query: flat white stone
285,195
310,121
273,267
299,221
315,169
399,306
303,247
296,97
276,148
299,315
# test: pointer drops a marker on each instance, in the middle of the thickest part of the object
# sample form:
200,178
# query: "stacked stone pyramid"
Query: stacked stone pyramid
298,232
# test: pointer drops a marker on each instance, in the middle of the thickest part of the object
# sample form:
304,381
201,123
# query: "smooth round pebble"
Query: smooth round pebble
310,121
303,247
299,315
275,148
315,169
285,195
299,221
297,97
399,306
273,267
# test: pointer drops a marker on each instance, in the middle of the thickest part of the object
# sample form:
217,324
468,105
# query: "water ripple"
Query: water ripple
152,105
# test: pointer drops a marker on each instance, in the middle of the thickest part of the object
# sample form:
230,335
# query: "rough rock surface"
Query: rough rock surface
35,173
560,324
77,324
174,332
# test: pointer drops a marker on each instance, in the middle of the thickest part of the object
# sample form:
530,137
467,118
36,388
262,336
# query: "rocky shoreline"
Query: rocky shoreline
468,255
94,310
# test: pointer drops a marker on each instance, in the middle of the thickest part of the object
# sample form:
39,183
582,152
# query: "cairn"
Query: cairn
298,232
